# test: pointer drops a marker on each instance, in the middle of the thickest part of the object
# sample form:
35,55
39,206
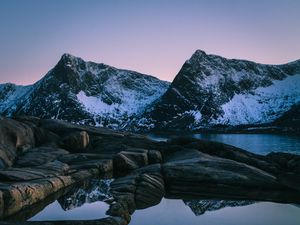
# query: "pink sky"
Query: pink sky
152,37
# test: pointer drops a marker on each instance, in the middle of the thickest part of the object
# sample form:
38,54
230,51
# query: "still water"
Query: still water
175,212
256,143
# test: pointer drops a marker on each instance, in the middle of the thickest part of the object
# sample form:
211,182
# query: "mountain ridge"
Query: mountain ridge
208,91
205,83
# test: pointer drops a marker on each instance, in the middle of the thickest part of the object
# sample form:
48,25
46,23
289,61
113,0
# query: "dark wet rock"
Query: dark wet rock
16,134
226,151
149,190
82,161
154,156
286,161
196,172
39,156
14,137
1,203
51,169
20,195
127,160
119,210
76,141
199,207
7,155
150,169
126,184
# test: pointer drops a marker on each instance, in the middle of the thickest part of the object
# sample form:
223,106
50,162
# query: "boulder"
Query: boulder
126,160
14,136
154,157
7,155
195,173
149,190
228,152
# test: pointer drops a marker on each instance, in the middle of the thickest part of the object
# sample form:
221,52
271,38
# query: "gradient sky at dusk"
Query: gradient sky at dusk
150,36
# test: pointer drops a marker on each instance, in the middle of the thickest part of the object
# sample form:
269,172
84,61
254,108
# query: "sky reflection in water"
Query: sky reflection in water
176,212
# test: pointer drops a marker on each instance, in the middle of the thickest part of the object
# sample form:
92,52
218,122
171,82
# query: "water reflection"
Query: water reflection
175,212
199,207
87,201
94,191
87,211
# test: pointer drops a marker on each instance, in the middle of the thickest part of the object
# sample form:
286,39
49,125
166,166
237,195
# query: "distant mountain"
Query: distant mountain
84,92
212,91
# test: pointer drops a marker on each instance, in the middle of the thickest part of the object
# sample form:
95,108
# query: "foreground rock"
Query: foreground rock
41,158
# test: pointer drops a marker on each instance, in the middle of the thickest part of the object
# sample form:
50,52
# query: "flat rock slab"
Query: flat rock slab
39,156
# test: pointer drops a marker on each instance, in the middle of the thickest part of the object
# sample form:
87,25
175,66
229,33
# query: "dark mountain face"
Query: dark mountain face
86,92
210,91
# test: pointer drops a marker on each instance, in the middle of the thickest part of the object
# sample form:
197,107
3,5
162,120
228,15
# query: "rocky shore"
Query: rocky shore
40,159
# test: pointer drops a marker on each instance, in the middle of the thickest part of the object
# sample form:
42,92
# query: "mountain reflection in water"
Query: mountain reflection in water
89,202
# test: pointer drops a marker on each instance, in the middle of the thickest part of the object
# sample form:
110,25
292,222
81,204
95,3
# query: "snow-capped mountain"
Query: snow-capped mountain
212,91
11,95
209,91
84,92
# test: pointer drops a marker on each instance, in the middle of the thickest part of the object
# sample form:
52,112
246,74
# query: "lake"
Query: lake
88,202
256,143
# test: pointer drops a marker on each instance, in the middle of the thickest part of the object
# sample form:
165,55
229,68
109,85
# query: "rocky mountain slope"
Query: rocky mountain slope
84,92
211,91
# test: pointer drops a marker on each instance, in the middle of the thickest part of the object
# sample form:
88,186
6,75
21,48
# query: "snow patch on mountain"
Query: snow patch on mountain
262,105
11,95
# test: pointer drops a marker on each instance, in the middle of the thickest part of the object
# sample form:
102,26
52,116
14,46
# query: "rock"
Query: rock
1,203
14,136
150,169
17,134
149,190
287,162
7,155
193,172
126,184
227,151
125,160
119,210
20,195
39,156
76,141
154,157
51,169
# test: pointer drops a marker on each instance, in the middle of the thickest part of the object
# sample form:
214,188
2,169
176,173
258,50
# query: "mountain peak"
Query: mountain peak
199,53
68,56
70,60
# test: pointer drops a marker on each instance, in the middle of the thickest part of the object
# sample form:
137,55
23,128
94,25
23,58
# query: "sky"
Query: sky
154,37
